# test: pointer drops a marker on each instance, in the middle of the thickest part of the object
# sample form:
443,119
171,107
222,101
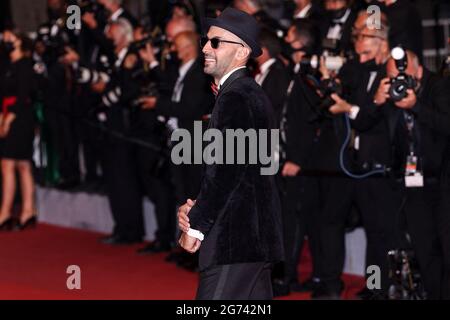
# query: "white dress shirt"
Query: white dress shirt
304,12
264,71
225,77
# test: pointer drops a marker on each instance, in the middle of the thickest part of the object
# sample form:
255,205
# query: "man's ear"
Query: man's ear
243,53
419,74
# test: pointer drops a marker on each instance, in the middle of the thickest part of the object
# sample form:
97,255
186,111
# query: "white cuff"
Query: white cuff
354,112
153,65
196,234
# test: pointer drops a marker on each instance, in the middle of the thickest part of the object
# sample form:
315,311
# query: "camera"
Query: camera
156,42
402,82
331,63
92,6
54,39
405,276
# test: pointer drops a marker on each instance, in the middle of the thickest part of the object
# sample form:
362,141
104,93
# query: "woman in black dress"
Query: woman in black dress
16,130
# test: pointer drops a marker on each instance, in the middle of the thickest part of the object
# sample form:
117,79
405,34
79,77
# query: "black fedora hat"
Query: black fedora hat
239,23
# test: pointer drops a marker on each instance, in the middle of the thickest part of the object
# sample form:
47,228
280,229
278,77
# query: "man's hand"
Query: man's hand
130,61
290,169
341,106
382,94
99,87
89,19
190,244
147,54
408,102
70,57
183,219
148,103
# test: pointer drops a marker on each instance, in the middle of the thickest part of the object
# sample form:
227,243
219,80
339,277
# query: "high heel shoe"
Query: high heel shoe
7,225
30,223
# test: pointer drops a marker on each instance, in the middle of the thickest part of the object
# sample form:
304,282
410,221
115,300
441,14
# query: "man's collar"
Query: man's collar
116,14
266,65
225,77
302,13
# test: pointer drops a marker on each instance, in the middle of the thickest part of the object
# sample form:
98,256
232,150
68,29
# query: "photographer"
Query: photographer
367,159
336,28
414,102
59,93
298,132
189,101
121,175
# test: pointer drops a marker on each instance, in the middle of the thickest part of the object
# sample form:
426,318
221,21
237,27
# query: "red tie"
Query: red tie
214,88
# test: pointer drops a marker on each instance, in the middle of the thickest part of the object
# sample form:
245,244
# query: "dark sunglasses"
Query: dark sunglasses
215,42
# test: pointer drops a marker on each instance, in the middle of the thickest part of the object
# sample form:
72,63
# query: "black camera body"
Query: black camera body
399,86
402,82
156,42
92,6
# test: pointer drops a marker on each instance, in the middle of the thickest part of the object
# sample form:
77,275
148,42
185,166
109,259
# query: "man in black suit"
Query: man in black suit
405,25
189,101
337,26
235,221
298,133
273,75
376,197
121,176
420,127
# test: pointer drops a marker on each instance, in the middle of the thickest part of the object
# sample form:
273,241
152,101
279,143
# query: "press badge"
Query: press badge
413,178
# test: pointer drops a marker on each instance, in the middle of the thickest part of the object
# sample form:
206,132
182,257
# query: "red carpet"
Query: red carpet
33,266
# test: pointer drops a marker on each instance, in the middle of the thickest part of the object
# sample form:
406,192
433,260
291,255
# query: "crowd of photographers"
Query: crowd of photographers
364,130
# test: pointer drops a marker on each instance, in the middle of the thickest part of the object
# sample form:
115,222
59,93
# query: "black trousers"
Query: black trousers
300,219
245,281
379,201
421,212
156,183
123,190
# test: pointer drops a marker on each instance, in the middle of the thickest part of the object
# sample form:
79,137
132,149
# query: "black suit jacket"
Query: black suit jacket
301,123
238,209
345,43
196,100
432,126
275,86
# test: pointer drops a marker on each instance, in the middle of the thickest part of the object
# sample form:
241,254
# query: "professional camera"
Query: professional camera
92,6
331,63
445,69
405,276
54,38
156,42
402,82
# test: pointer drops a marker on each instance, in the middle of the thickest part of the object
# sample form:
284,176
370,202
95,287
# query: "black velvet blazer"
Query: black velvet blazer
238,209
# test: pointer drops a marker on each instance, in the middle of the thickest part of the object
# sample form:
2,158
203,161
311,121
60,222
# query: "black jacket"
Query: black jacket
432,126
196,100
301,125
275,86
238,209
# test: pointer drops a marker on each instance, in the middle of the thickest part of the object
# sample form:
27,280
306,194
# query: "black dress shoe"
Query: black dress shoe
8,224
280,288
154,247
322,292
307,286
115,240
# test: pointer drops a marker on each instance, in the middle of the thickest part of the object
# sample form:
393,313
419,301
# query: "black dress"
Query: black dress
17,81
